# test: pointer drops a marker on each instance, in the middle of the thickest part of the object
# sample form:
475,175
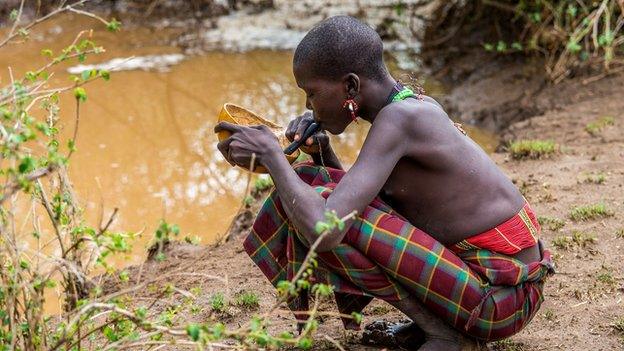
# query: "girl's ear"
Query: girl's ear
351,83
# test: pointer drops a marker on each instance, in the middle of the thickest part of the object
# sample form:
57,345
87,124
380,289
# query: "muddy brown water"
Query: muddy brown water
145,141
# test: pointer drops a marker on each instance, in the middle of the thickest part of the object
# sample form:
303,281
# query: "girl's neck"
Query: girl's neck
375,98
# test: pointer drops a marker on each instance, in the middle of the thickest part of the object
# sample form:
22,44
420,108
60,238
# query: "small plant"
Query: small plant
247,299
583,239
553,223
578,238
594,128
162,237
532,149
549,315
595,178
589,212
606,278
562,242
218,303
193,240
620,233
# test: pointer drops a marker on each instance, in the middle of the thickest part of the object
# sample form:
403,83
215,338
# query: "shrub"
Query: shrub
570,35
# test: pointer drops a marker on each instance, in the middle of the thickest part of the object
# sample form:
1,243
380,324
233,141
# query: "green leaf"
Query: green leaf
27,165
193,331
80,94
13,15
105,74
574,47
357,318
305,343
320,227
124,276
501,46
31,76
85,75
113,25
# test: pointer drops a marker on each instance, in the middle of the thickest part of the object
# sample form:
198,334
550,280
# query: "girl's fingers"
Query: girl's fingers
310,141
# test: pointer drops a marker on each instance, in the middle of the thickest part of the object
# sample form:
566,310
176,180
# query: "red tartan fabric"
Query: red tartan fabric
486,295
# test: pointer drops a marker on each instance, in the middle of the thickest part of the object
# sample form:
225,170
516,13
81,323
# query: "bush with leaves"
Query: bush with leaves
570,35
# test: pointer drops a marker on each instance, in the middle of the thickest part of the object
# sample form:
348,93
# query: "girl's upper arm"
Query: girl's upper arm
383,148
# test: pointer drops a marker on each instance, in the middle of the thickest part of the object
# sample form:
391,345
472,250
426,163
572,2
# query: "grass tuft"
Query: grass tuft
595,178
620,233
217,302
247,299
562,242
589,212
578,238
594,128
532,149
553,223
606,278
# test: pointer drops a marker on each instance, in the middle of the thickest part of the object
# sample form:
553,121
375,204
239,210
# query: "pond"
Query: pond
145,141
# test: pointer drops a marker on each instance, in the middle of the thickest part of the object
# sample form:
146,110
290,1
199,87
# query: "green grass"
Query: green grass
217,302
595,128
589,212
553,223
595,178
247,299
562,242
578,238
583,239
606,278
533,149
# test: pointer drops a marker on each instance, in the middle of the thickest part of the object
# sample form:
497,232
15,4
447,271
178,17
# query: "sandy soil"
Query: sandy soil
583,300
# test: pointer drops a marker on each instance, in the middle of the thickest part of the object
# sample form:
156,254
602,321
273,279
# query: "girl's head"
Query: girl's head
338,60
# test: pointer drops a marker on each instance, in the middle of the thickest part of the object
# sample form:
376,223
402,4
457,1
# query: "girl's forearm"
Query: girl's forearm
328,158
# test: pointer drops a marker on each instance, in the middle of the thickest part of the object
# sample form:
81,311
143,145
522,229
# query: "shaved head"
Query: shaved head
340,45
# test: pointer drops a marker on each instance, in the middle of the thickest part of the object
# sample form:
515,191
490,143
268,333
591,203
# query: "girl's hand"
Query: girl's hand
315,143
246,141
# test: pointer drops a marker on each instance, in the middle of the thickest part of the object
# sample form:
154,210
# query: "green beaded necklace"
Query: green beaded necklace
403,94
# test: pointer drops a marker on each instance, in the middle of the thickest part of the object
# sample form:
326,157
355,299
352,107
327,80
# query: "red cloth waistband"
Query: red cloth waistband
518,232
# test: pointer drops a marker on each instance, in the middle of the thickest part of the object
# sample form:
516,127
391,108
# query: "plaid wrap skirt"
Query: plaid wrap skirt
484,294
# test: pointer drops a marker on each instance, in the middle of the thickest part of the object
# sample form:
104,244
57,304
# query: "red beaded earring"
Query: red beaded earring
352,106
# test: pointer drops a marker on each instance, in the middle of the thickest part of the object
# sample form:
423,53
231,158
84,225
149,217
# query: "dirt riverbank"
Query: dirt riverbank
584,300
